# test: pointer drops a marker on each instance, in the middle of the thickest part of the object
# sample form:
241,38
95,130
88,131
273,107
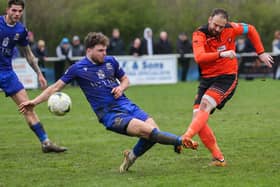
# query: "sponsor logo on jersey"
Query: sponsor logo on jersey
221,48
109,66
5,42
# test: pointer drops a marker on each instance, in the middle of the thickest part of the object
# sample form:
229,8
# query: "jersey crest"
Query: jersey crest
16,37
100,74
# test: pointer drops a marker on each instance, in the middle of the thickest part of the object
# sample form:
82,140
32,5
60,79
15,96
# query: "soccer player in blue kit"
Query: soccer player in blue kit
103,82
13,33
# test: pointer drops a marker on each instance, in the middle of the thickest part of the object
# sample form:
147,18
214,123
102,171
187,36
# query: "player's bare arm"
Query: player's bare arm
267,59
28,105
33,61
118,91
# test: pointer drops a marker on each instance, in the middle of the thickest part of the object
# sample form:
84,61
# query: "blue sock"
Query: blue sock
165,138
38,129
142,146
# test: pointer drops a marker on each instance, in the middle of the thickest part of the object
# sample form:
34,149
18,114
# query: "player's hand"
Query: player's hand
267,59
228,54
42,81
26,106
117,92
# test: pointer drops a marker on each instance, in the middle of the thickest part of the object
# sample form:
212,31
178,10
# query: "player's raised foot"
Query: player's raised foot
218,162
178,149
189,143
126,162
49,147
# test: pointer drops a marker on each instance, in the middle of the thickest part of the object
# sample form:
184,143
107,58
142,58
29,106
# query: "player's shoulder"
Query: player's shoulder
110,59
235,24
201,32
202,29
82,62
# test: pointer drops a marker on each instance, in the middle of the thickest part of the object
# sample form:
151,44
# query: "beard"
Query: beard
97,61
214,33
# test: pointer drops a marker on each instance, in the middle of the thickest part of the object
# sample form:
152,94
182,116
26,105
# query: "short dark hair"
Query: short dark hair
220,11
16,2
94,38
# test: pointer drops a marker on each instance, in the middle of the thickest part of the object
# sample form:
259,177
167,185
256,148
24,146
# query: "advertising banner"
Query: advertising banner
25,73
158,69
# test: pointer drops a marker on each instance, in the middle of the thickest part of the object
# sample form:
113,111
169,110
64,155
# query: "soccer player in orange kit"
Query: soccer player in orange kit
214,52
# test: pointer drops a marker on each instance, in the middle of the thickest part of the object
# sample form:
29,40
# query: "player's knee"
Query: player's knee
151,122
207,104
146,131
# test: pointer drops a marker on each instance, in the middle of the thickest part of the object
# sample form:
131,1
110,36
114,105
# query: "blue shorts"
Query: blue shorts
118,118
10,83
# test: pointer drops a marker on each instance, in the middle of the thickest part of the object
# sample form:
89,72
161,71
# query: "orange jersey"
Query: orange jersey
207,48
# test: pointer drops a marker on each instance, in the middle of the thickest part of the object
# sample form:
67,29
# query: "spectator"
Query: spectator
183,46
77,48
276,43
147,43
116,46
247,63
243,45
31,40
135,48
64,53
163,45
276,51
41,53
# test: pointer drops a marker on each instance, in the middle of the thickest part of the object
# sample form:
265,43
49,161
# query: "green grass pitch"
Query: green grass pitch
247,130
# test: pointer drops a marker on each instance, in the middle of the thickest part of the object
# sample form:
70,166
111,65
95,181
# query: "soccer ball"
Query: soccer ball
59,103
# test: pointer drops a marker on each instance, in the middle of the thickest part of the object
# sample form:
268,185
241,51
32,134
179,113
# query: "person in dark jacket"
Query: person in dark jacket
163,46
183,47
116,46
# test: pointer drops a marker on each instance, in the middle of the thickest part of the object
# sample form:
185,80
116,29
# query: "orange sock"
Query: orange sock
197,123
209,140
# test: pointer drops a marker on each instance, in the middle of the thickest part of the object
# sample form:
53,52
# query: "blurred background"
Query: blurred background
52,20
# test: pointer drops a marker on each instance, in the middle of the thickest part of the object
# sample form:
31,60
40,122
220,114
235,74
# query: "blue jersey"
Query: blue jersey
10,36
97,82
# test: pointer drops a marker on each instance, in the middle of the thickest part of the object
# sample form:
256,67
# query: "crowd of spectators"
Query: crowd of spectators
148,44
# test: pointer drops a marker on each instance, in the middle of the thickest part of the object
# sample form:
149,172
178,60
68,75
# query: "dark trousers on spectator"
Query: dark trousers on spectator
275,66
184,63
59,67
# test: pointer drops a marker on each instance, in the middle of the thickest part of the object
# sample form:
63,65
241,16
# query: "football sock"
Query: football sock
142,146
197,123
165,138
209,140
132,156
38,129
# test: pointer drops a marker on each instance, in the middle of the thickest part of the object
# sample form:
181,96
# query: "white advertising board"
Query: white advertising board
157,69
25,73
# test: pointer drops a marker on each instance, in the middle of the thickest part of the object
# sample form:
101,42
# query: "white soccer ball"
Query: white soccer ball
59,103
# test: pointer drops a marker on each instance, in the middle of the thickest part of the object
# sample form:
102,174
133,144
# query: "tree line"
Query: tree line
52,20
